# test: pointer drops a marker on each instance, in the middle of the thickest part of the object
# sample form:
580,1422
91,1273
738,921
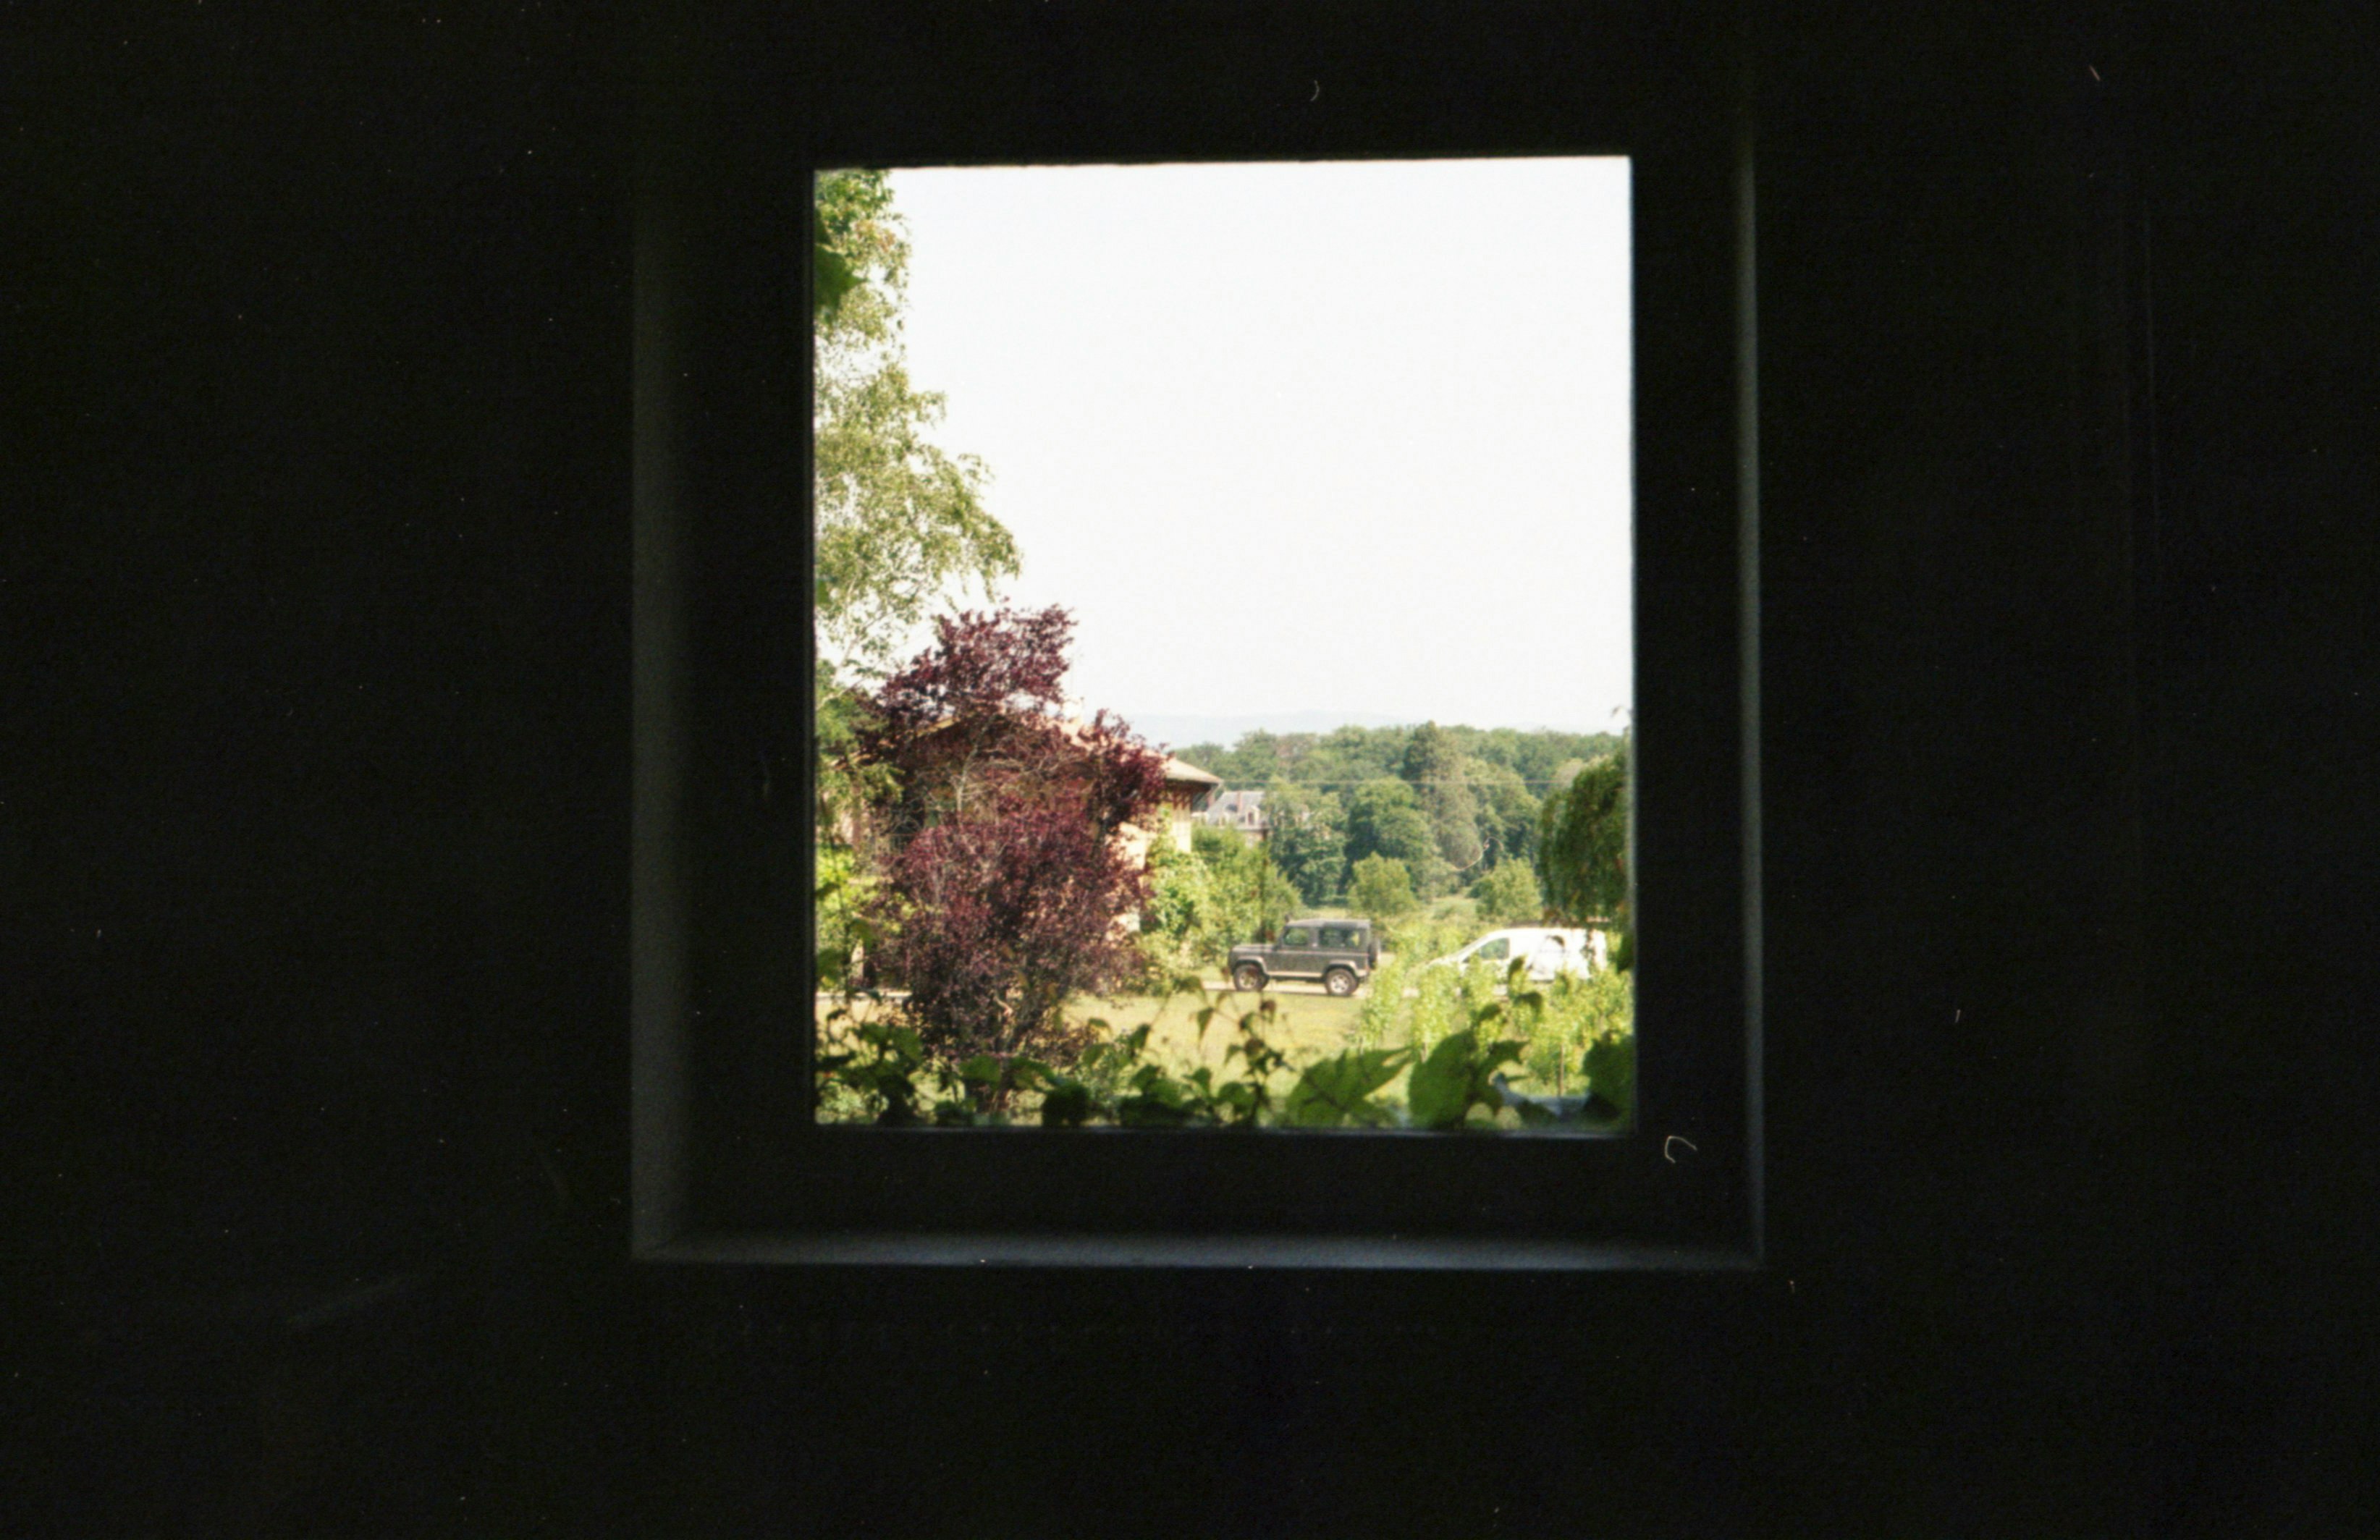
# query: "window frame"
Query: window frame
726,1164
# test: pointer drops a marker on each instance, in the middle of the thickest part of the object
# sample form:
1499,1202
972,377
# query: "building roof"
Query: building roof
1176,769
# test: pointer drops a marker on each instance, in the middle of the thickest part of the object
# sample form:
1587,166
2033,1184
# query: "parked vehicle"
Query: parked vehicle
1340,953
1547,950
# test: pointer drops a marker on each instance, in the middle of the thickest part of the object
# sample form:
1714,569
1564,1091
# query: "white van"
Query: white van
1548,951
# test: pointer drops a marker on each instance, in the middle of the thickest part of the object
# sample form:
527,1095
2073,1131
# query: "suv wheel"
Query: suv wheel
1247,976
1340,982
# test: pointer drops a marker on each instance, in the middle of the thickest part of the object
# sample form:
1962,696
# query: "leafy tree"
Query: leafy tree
1384,818
998,836
900,520
1211,845
1382,888
1256,759
1207,756
1508,814
1434,765
1350,754
1309,838
1507,894
1583,845
1258,899
1222,892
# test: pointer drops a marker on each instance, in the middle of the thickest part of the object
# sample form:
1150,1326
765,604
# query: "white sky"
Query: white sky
1341,437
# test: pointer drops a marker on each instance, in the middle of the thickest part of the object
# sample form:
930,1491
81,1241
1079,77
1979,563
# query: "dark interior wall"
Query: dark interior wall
317,591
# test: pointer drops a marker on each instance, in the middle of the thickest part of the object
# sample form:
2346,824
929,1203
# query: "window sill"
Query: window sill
1244,1253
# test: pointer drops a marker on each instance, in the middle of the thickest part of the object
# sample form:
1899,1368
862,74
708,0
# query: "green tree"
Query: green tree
1382,888
900,521
1583,845
1221,891
1508,814
1308,840
1507,894
1433,766
1256,898
1384,818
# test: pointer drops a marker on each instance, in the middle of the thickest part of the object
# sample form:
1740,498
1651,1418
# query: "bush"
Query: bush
1571,1017
1382,890
1507,894
1202,903
1418,938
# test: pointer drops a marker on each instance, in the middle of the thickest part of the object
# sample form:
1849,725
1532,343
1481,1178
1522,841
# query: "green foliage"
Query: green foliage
1422,937
1308,840
846,926
1583,844
900,520
1433,765
1610,1074
1455,1036
1223,891
1507,894
1536,761
1508,814
1382,888
886,1072
1457,1078
1339,1090
833,275
1384,818
1211,845
1572,1017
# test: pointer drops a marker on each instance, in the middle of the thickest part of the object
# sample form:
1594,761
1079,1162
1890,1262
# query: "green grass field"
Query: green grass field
1305,1027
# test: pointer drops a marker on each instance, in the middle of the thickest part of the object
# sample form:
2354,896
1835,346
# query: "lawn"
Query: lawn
1305,1027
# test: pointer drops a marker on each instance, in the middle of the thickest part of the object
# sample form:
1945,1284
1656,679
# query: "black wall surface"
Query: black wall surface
314,582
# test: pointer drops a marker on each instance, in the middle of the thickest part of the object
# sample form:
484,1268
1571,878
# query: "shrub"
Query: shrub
1570,1016
1382,890
1507,894
999,841
1203,902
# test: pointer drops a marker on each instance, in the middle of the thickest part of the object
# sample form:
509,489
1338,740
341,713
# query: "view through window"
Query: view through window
1223,607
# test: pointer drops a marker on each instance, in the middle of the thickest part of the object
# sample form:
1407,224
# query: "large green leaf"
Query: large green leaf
1440,1090
1338,1089
1611,1073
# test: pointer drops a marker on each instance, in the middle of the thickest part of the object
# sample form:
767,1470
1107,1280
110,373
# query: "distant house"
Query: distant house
1190,794
1240,811
1188,790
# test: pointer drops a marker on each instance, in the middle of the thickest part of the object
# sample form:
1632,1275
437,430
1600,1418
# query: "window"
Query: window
727,1161
1167,451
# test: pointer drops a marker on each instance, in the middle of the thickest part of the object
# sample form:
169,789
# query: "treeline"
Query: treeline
1381,816
1348,755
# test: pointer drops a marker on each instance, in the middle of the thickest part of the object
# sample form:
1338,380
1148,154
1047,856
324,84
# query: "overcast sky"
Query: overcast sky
1344,438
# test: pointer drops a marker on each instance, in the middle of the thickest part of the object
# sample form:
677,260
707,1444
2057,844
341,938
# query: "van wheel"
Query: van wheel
1340,982
1248,977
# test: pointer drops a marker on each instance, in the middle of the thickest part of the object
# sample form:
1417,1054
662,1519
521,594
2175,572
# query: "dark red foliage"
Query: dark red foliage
1001,847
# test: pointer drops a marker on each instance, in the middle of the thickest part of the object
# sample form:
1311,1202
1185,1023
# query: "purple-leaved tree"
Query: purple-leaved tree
1001,840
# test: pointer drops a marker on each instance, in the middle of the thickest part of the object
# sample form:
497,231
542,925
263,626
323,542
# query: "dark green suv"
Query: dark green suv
1341,953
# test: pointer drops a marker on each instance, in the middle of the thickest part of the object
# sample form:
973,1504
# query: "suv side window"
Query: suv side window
1495,951
1338,936
1297,936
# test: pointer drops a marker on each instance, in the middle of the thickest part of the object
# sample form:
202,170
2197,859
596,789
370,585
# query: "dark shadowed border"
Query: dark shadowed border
728,1166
